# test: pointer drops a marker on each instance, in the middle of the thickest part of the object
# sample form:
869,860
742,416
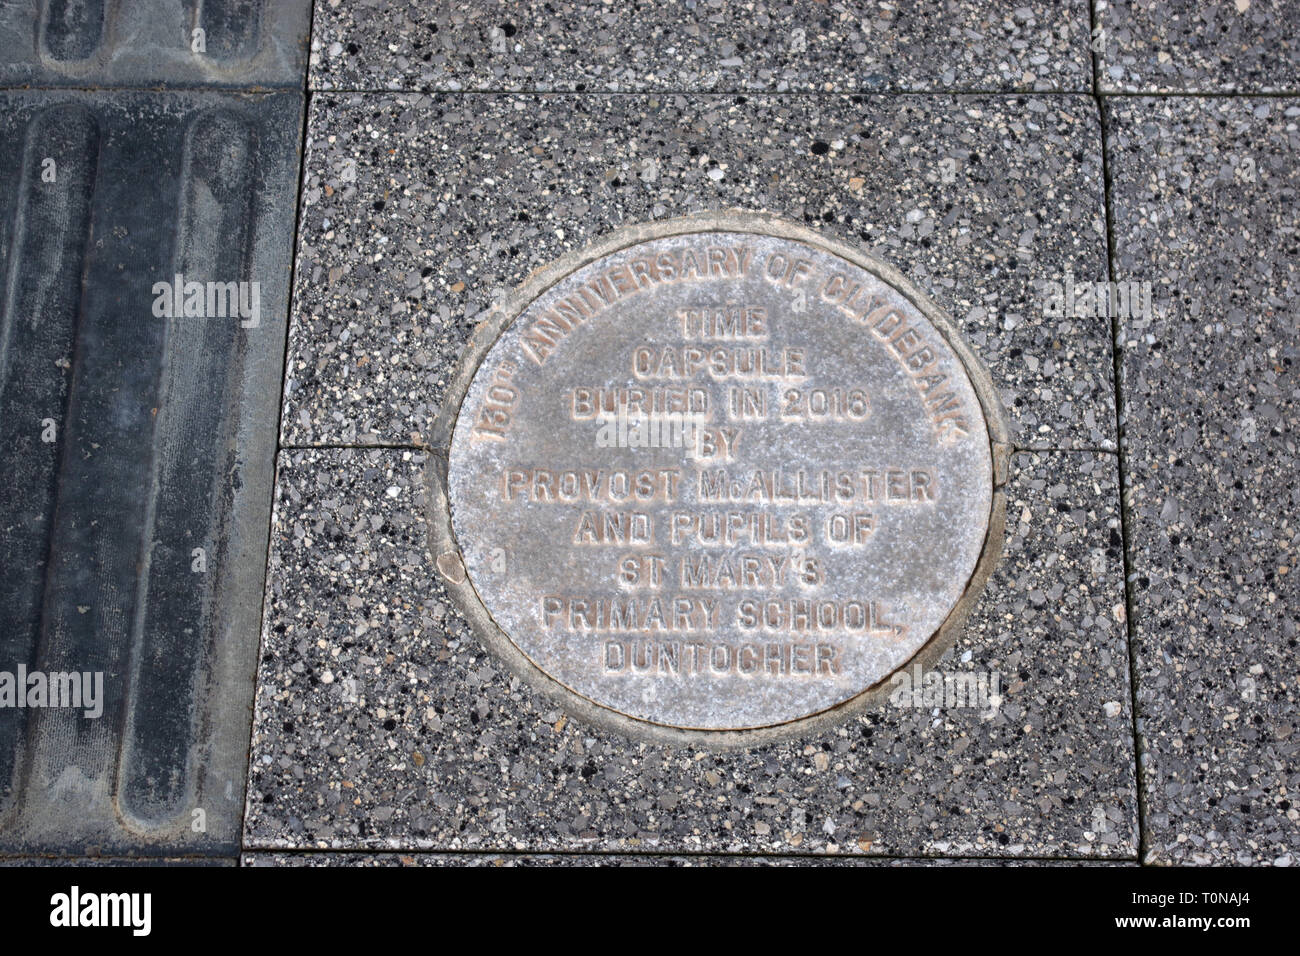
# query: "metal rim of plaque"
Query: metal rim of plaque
734,642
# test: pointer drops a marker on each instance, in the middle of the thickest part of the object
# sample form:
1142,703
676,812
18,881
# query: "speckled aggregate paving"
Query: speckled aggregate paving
531,860
1186,46
700,45
382,723
1009,158
987,154
1205,199
451,201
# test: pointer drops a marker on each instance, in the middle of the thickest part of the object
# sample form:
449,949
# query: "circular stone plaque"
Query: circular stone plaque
717,477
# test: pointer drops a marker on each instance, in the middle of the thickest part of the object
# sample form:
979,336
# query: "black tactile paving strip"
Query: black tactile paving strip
138,454
154,43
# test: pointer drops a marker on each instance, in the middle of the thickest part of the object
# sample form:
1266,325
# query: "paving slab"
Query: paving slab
529,860
381,723
1186,46
1205,194
138,457
420,212
700,46
154,43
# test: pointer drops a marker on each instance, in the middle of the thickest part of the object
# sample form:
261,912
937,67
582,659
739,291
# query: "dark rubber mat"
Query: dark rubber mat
145,244
93,43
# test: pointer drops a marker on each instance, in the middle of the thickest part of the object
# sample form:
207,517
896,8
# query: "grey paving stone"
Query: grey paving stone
1205,194
420,211
1187,46
154,43
138,458
381,723
373,860
700,45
